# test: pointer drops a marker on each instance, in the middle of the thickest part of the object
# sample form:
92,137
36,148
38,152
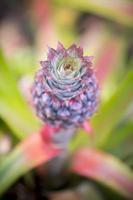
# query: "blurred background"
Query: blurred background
104,28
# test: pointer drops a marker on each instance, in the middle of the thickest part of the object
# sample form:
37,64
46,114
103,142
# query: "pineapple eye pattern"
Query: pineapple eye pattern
65,89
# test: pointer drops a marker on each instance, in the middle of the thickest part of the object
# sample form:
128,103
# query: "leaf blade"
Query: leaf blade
111,112
30,153
105,169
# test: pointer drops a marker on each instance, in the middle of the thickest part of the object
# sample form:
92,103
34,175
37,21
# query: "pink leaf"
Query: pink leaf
37,150
87,127
104,168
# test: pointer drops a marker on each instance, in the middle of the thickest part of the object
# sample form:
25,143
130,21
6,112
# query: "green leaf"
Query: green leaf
30,153
18,119
118,136
13,109
113,110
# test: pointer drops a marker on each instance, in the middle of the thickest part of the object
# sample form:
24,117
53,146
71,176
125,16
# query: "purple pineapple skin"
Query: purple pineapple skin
65,89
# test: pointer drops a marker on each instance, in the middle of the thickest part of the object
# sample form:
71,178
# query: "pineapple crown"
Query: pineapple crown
66,71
